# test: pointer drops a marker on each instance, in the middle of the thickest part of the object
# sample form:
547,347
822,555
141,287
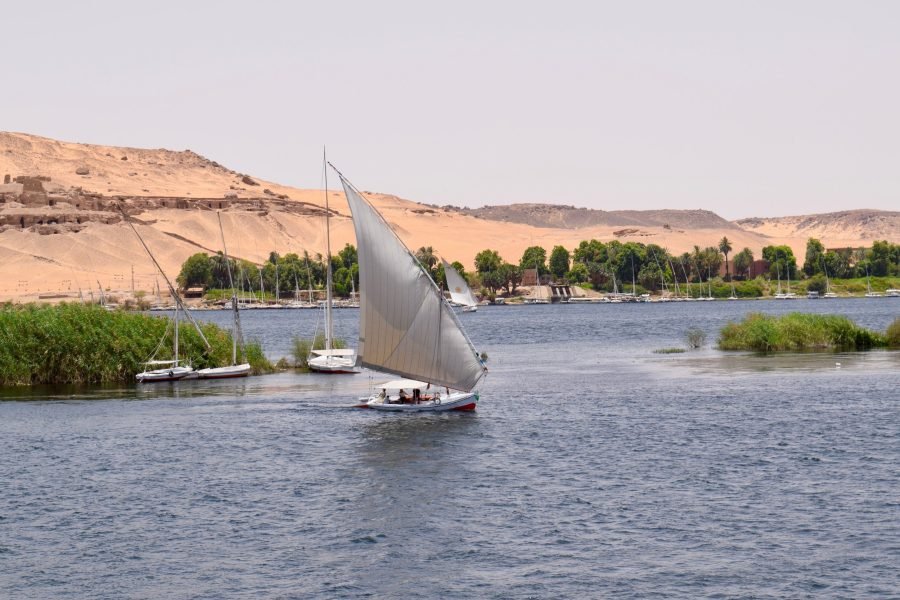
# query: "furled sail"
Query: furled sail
405,326
459,289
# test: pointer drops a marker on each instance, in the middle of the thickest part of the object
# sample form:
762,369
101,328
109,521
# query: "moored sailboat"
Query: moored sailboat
174,371
166,370
330,359
234,369
406,326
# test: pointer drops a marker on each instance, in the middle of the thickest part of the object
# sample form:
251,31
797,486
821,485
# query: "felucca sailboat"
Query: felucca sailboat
406,326
459,290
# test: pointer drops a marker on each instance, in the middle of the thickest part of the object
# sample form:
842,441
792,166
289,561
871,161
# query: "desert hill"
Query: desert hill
571,217
862,224
62,226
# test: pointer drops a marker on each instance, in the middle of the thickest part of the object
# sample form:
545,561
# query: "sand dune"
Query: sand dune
69,234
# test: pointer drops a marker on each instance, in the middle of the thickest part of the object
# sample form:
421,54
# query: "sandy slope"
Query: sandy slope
32,264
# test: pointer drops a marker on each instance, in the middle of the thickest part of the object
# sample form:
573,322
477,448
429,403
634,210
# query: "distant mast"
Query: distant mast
329,327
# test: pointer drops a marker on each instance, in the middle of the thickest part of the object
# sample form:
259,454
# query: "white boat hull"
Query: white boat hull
461,401
225,372
333,364
171,374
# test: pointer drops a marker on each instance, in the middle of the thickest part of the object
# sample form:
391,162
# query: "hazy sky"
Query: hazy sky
744,108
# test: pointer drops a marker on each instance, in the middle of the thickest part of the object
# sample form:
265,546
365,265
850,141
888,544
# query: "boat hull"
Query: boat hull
459,401
225,372
333,365
159,375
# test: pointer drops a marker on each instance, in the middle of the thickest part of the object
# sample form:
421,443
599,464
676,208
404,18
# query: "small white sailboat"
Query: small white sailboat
166,370
460,294
869,292
406,326
330,359
828,292
234,369
779,295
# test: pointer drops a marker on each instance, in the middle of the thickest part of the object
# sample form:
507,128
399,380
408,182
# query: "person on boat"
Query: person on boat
416,396
383,393
403,397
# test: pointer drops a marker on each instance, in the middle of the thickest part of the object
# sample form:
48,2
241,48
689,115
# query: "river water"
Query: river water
592,468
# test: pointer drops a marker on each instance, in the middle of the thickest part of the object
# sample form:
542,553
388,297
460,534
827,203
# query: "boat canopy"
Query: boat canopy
404,384
334,352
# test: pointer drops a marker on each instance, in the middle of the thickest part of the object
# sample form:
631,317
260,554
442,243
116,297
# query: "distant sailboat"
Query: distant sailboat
828,292
538,288
869,292
460,294
234,369
330,359
406,326
778,293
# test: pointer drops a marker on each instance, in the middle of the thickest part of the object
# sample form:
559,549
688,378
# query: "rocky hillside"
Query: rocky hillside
861,224
571,217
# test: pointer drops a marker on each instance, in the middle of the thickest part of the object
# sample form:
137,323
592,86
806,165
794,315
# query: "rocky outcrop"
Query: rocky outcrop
26,206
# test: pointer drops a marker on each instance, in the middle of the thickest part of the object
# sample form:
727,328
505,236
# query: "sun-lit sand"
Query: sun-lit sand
104,255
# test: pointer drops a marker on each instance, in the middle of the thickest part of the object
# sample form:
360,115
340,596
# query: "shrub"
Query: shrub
301,347
797,331
696,338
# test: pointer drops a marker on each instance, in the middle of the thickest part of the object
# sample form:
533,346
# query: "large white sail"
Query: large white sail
405,327
459,289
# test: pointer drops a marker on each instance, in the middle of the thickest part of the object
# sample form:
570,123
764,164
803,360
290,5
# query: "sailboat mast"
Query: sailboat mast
309,294
175,296
176,334
825,269
328,277
633,286
234,303
262,289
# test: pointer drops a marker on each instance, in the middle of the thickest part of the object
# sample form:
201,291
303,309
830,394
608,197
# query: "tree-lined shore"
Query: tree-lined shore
605,267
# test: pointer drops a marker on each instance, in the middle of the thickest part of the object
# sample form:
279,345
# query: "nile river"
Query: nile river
592,468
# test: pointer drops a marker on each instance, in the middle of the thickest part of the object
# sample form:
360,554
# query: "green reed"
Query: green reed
798,331
79,343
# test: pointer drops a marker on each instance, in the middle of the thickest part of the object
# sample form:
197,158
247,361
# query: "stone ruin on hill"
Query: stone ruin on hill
26,204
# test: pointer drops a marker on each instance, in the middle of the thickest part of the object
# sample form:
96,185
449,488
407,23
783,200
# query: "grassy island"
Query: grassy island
800,331
80,343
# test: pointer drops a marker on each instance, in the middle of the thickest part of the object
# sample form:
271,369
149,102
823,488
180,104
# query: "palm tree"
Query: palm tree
725,248
425,255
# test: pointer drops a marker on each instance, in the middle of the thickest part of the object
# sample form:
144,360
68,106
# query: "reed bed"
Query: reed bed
82,344
800,331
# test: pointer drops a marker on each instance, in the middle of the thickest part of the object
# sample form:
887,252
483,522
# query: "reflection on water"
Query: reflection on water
390,440
724,363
